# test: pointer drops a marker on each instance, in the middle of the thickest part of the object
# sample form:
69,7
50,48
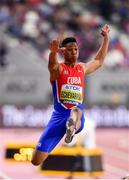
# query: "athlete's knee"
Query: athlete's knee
35,162
38,157
75,109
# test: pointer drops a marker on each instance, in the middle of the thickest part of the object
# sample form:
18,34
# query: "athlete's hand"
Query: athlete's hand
105,30
54,47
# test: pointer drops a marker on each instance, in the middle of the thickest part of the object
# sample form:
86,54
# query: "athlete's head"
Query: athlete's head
71,52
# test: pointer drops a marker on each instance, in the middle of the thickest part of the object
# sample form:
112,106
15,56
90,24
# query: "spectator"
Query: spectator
30,29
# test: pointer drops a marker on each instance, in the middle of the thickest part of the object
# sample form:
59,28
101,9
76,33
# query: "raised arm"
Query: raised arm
97,62
53,65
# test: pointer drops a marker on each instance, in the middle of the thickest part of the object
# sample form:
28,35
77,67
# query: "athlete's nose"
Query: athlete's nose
74,52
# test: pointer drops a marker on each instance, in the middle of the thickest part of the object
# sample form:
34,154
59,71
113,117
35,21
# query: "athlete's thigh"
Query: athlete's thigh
52,134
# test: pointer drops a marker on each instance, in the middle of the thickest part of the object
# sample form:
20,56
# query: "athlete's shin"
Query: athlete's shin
73,124
76,115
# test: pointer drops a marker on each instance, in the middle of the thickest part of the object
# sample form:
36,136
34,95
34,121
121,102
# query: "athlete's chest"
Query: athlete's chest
73,76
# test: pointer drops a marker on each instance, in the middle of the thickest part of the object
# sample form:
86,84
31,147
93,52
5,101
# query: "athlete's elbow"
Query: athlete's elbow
98,63
101,63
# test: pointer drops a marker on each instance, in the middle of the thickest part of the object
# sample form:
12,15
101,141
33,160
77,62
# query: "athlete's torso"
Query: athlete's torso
68,89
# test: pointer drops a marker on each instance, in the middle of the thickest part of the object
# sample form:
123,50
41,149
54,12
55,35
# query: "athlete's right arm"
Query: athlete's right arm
53,65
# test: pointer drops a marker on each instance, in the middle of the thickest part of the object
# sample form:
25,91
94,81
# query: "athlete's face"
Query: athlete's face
71,52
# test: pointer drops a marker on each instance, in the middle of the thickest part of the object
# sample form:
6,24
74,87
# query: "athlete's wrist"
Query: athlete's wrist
53,52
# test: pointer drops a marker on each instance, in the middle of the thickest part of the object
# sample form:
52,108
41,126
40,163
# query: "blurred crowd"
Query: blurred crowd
38,21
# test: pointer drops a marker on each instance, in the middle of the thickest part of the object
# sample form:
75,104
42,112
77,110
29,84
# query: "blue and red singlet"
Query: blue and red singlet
68,89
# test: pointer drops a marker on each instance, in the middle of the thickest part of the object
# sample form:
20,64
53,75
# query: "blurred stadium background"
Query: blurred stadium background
26,29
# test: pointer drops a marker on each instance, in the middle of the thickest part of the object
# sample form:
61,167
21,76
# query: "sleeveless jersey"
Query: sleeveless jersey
68,89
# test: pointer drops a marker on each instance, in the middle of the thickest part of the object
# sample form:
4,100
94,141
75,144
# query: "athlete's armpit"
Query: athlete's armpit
55,72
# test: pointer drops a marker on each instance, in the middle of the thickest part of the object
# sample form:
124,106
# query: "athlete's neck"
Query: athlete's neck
70,64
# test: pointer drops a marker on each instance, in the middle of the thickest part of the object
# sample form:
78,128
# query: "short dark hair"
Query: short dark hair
68,40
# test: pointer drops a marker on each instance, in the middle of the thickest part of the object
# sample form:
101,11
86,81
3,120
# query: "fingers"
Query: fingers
55,42
62,50
105,30
54,46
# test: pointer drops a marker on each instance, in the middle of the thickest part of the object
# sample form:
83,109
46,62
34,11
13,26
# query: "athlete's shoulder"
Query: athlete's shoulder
62,64
81,65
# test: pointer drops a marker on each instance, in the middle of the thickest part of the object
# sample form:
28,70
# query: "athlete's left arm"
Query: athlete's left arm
97,62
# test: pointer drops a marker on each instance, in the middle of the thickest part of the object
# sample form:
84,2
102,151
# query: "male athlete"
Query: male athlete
67,80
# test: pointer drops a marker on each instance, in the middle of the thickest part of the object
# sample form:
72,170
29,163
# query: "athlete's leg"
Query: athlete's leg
73,124
50,137
76,115
38,157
